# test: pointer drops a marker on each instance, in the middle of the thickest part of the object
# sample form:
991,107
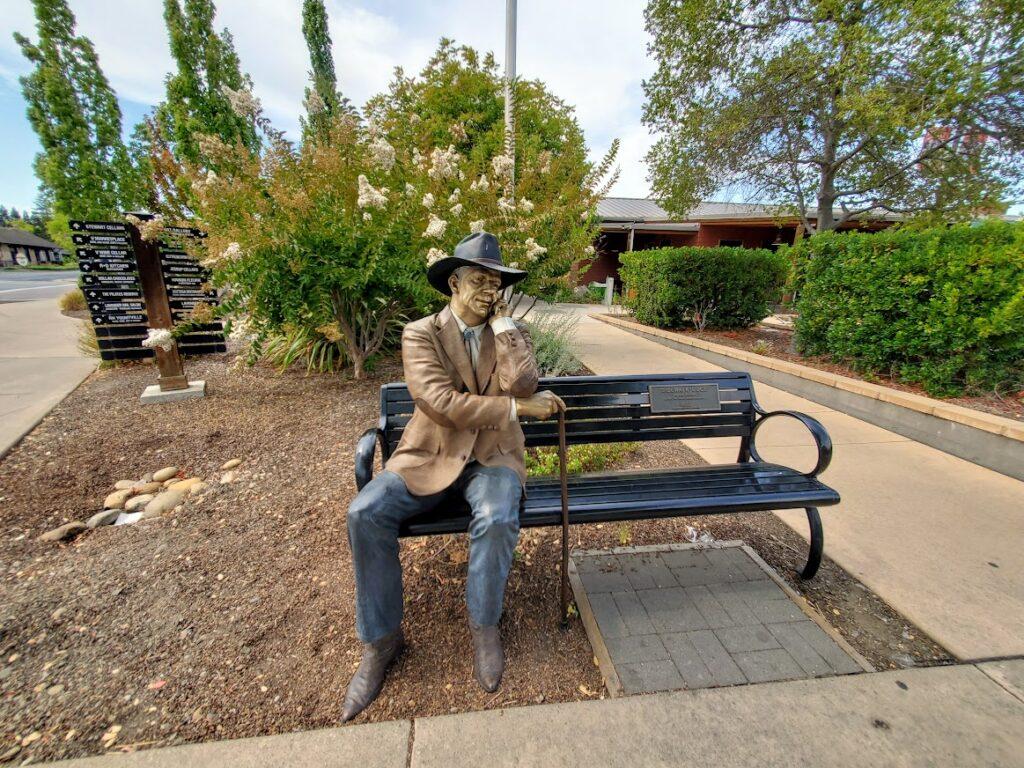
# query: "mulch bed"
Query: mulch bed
783,347
233,617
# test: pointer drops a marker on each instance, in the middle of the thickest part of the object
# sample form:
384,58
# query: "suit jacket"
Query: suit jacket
460,416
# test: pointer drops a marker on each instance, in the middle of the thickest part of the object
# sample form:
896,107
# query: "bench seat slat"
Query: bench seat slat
663,493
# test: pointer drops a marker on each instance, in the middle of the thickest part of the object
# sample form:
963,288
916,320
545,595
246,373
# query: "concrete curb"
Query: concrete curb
990,441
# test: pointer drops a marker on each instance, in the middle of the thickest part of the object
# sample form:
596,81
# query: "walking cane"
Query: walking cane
563,476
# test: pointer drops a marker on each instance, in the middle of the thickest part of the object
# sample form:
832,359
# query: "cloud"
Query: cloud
590,53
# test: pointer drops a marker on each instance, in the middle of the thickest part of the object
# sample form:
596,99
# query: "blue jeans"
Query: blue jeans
493,495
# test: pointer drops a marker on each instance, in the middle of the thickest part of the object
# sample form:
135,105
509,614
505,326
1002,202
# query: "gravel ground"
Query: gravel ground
233,616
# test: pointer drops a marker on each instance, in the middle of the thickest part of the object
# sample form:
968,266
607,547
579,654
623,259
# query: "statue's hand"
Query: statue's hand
500,308
540,405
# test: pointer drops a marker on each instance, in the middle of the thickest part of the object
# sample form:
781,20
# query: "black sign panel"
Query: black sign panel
101,240
97,226
103,279
103,318
111,293
107,265
684,398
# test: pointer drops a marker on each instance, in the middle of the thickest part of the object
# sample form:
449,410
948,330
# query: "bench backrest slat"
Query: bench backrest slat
605,409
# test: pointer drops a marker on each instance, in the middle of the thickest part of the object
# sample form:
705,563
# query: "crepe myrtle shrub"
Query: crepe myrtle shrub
705,287
941,307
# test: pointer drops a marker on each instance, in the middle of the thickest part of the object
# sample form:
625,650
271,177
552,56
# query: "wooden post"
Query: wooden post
158,308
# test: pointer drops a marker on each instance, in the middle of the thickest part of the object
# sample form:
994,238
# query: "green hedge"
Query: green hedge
942,307
664,287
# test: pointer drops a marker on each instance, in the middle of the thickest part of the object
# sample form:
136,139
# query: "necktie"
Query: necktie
470,340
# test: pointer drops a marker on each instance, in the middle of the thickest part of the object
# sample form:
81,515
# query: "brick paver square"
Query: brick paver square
639,648
699,618
764,666
649,676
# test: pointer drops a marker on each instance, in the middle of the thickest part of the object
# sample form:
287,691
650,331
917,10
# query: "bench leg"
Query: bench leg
817,544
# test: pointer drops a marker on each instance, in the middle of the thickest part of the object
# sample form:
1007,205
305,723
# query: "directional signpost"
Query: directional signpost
131,285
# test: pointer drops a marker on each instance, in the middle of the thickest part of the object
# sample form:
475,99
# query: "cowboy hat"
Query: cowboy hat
479,249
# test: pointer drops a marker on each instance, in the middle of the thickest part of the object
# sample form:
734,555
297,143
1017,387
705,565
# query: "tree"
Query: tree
458,101
84,167
323,100
199,93
890,106
326,245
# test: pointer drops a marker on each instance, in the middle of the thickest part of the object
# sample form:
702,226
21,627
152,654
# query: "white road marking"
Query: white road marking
37,287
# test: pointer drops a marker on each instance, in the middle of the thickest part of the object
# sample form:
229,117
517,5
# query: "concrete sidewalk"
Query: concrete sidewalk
39,365
957,716
936,537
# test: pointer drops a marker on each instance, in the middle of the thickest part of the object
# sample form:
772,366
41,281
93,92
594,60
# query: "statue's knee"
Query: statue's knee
360,515
498,516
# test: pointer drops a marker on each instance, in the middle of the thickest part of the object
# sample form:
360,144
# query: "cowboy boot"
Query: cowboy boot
488,656
366,683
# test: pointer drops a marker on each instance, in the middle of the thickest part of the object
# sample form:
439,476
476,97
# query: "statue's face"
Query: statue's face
474,293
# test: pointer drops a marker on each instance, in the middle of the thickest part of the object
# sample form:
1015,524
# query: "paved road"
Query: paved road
35,284
936,537
39,359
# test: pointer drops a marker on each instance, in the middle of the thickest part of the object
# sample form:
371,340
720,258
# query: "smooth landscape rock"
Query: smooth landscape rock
228,477
166,501
117,499
147,488
146,478
169,483
134,503
197,489
106,517
127,518
231,464
165,474
123,485
185,485
64,532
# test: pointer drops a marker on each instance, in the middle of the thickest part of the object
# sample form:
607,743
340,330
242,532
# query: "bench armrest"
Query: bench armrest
817,430
365,449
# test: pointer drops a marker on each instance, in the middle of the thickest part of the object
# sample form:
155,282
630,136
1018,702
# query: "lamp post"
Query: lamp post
510,76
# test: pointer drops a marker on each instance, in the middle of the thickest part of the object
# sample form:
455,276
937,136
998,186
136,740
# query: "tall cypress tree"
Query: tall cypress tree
84,167
206,61
323,100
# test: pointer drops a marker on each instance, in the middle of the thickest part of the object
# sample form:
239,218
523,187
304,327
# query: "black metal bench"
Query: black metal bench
605,409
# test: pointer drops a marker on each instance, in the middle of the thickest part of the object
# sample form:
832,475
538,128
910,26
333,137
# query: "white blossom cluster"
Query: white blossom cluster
481,184
150,229
456,209
454,196
241,329
367,216
383,154
159,338
370,197
588,251
458,132
410,190
418,160
503,166
534,249
545,162
525,205
506,206
314,103
444,163
243,103
232,253
435,227
428,200
476,226
435,254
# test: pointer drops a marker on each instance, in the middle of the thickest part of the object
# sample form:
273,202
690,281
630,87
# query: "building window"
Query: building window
731,243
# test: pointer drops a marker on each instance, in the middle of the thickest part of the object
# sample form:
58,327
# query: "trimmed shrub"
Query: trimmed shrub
554,343
714,287
941,307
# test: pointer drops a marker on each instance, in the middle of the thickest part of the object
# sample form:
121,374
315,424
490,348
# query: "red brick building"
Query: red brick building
638,224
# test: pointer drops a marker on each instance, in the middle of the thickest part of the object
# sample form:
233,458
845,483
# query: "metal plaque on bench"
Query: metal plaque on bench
684,398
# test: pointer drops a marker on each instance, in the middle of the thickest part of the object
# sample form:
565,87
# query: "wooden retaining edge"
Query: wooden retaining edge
997,425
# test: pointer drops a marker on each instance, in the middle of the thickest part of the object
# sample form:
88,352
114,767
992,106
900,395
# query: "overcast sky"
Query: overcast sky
591,53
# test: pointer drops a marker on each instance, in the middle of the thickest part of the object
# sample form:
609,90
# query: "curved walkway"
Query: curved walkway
936,537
